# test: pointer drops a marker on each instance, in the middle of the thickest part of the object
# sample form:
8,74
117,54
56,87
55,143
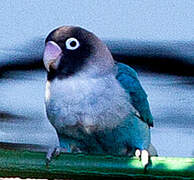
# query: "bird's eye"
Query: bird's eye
72,43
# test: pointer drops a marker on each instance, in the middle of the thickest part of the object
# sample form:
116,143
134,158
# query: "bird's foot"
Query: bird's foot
143,155
54,152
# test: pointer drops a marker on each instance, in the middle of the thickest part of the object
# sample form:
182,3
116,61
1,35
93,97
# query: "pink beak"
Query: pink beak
52,55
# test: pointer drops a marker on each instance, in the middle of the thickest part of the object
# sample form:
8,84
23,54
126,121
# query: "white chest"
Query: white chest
98,102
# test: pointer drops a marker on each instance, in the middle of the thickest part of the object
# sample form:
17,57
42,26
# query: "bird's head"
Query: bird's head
69,50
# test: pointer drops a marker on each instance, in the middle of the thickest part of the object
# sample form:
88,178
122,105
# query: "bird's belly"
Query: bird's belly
90,105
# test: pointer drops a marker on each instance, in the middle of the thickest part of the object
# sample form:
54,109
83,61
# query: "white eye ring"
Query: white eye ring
72,43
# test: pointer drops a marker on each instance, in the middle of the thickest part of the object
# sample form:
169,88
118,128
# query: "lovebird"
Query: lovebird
96,104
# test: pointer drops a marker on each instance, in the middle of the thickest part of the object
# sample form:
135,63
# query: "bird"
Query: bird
96,105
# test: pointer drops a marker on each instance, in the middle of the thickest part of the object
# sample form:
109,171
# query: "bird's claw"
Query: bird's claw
52,152
143,155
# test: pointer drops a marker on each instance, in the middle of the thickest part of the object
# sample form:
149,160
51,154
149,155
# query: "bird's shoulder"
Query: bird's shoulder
128,78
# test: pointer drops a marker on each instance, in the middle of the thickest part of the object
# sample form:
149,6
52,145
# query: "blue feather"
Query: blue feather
129,81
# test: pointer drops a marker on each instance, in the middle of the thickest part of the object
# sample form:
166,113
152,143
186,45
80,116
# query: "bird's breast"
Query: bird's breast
89,102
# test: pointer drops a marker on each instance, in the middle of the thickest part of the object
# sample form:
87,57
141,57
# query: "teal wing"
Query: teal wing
129,81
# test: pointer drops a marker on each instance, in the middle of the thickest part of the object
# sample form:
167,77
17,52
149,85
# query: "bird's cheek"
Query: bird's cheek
52,55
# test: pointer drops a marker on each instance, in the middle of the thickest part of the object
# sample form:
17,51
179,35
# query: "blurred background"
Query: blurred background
156,38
